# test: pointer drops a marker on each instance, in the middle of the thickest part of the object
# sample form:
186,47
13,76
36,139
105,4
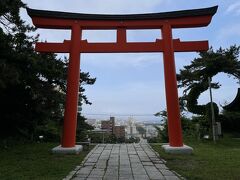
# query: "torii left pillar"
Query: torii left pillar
70,115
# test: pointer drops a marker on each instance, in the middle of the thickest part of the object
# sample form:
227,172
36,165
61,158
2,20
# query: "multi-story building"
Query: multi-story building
151,131
131,130
109,124
91,122
119,131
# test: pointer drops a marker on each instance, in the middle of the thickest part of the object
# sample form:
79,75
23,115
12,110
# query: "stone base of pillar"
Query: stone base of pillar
177,150
71,150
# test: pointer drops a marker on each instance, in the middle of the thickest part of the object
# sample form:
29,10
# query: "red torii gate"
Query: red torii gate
164,21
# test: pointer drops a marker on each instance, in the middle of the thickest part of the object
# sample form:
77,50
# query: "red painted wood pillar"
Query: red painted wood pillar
121,36
173,111
70,115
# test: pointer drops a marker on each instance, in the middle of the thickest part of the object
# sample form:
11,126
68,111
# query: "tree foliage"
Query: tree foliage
230,120
194,77
162,132
141,130
82,128
32,85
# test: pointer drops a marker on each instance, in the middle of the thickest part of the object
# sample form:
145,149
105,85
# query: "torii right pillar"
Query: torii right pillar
175,145
174,124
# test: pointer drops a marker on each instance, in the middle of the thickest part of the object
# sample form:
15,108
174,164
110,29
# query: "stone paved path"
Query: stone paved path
122,162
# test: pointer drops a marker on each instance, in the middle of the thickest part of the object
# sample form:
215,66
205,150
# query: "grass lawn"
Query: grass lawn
34,161
219,161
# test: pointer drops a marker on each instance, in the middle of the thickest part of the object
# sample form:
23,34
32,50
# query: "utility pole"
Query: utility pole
212,110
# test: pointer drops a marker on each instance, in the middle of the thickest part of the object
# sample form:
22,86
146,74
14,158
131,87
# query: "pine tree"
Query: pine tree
194,77
32,85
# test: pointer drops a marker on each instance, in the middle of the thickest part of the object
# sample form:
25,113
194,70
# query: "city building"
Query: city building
109,124
91,122
131,130
151,131
119,131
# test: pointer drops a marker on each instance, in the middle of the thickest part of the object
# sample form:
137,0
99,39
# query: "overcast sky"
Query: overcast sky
130,84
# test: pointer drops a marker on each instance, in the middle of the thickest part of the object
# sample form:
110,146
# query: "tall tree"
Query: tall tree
32,85
194,77
141,130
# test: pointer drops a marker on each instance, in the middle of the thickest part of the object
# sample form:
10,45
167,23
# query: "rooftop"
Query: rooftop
149,16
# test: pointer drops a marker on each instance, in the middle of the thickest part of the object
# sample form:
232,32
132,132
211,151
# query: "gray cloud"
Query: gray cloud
234,8
138,96
98,6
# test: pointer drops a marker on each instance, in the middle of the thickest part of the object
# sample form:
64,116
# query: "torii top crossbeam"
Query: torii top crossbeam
176,19
164,21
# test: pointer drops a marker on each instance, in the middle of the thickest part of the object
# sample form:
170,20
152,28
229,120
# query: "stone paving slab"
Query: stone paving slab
122,162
